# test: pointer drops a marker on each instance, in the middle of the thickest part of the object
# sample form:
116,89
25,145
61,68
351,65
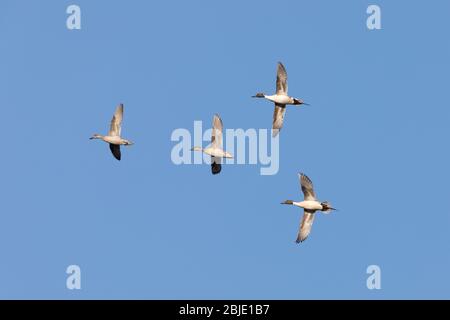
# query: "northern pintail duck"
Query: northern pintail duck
281,99
215,150
310,204
113,138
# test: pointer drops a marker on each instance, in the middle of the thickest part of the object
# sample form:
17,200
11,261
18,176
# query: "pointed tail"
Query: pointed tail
326,207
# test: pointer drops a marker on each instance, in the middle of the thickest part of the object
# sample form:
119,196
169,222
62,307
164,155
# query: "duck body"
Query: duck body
216,152
116,140
309,205
281,99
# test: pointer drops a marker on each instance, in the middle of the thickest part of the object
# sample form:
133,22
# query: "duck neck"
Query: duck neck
298,204
271,98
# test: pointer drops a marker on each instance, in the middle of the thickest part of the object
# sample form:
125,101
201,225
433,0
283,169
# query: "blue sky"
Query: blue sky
374,142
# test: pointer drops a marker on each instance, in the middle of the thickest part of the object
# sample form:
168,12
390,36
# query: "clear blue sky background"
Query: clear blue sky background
375,143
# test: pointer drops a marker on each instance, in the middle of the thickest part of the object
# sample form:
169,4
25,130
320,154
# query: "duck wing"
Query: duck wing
216,165
278,118
216,134
282,85
116,122
307,187
115,149
305,226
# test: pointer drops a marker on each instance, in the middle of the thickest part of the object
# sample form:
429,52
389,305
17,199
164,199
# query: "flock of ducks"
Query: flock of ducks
281,99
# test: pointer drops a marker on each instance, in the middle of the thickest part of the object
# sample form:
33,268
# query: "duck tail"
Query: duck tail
326,207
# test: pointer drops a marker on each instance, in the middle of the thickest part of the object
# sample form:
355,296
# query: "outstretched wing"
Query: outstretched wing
278,118
307,187
282,85
115,149
305,226
116,122
216,135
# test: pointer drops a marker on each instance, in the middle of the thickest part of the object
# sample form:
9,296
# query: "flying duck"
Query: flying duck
113,138
281,99
215,150
310,204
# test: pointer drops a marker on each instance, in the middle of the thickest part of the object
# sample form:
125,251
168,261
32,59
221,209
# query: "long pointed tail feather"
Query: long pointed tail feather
326,207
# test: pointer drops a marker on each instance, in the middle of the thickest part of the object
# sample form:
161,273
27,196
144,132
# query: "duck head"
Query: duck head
259,95
96,136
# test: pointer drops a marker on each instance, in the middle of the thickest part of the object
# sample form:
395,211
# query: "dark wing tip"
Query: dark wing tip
115,150
281,66
216,168
306,178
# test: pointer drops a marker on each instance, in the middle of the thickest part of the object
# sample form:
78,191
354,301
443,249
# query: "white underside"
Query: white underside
114,140
280,99
309,205
215,152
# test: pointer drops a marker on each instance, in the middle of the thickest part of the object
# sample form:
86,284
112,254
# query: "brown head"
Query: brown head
259,95
96,136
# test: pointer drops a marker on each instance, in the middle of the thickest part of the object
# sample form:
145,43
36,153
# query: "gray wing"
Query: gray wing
116,122
305,226
307,187
216,135
282,85
278,118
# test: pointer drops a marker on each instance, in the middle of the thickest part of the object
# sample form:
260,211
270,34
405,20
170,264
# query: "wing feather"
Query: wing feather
115,149
116,122
216,134
278,118
307,187
216,165
282,85
305,226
